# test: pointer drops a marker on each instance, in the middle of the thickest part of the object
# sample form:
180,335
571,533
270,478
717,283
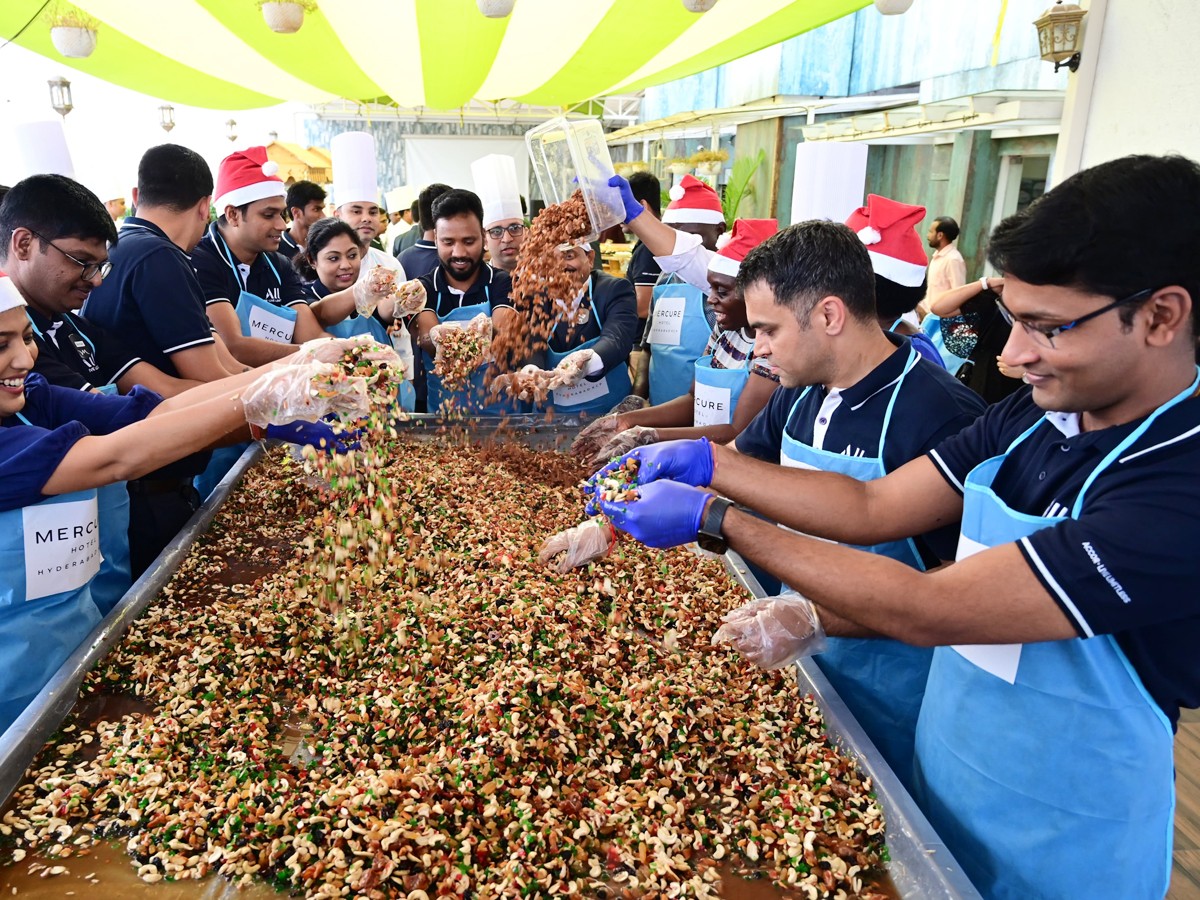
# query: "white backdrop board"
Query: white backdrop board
448,159
831,179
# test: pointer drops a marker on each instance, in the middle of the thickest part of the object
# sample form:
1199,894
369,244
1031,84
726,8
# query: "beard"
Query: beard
463,274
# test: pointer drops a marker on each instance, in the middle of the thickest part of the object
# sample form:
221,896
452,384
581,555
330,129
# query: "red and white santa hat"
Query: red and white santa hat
245,176
693,203
888,228
747,234
10,297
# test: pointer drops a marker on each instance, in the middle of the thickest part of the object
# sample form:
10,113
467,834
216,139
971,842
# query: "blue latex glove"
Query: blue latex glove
314,434
666,513
633,206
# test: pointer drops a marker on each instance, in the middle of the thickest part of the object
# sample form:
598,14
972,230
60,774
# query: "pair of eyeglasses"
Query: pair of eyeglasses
1046,336
89,269
514,229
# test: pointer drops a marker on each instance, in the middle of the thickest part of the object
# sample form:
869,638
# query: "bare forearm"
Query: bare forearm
205,392
718,434
677,412
258,351
334,308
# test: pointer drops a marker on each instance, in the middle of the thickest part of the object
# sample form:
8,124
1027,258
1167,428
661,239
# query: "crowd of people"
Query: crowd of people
1039,427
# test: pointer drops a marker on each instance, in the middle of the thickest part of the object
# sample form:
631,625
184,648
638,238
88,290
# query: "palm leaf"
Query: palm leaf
738,188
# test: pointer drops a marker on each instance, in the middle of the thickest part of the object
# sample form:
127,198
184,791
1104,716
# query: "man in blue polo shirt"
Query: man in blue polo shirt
252,294
306,206
422,257
1066,633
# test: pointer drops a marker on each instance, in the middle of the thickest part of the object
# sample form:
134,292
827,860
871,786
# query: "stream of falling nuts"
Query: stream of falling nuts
361,683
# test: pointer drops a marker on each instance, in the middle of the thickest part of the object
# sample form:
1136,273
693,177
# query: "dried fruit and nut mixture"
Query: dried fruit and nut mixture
467,722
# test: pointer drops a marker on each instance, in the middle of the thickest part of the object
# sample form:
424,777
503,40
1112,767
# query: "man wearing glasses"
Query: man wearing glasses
1066,632
495,177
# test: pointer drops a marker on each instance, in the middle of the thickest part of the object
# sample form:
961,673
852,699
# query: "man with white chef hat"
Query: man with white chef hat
356,195
495,177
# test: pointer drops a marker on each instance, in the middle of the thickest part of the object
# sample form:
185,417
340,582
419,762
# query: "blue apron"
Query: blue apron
49,557
115,575
1046,768
931,327
259,318
881,680
470,400
677,338
716,392
592,397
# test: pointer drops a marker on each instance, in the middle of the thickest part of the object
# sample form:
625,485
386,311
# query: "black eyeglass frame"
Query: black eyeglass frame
97,268
1051,333
497,231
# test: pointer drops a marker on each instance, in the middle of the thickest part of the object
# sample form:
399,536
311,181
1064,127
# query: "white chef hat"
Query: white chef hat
10,297
495,177
355,179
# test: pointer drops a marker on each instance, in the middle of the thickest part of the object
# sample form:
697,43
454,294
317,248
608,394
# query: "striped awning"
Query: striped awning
431,54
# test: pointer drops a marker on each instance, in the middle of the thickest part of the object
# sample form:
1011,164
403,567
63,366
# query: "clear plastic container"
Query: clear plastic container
572,154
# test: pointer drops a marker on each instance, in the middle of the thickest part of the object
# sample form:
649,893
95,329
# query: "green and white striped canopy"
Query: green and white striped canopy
436,54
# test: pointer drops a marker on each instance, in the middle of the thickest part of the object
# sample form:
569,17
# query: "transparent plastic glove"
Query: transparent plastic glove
621,443
633,206
320,435
773,632
333,350
690,462
666,513
410,298
379,284
303,392
572,369
402,344
529,384
580,545
460,348
589,441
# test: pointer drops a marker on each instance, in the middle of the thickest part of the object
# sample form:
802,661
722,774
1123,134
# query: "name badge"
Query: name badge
583,392
711,406
266,324
668,320
62,546
1001,660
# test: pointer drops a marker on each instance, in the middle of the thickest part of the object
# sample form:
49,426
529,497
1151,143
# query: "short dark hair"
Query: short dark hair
646,186
173,177
947,226
415,209
302,193
55,207
458,202
319,235
810,260
1089,233
425,203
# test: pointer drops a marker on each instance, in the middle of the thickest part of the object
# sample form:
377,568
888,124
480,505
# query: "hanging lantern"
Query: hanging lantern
699,6
893,7
60,96
1059,34
166,118
495,9
287,16
72,41
231,129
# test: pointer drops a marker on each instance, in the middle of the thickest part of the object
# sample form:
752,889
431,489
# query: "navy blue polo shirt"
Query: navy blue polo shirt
270,276
491,285
1128,565
419,259
58,418
616,306
76,353
287,245
151,299
931,405
316,290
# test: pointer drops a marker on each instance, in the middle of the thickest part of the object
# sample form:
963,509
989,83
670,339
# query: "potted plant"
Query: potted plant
73,32
679,165
285,16
709,162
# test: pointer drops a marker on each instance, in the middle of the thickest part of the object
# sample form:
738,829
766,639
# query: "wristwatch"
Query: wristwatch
709,536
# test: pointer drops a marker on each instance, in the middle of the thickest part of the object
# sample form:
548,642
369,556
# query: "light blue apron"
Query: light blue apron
882,681
931,326
677,337
115,575
470,400
1046,768
716,392
49,556
594,398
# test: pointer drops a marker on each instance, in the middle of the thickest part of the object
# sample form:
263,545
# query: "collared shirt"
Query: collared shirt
76,353
1127,566
643,269
420,259
491,285
58,418
270,276
947,270
288,246
151,298
931,406
731,349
